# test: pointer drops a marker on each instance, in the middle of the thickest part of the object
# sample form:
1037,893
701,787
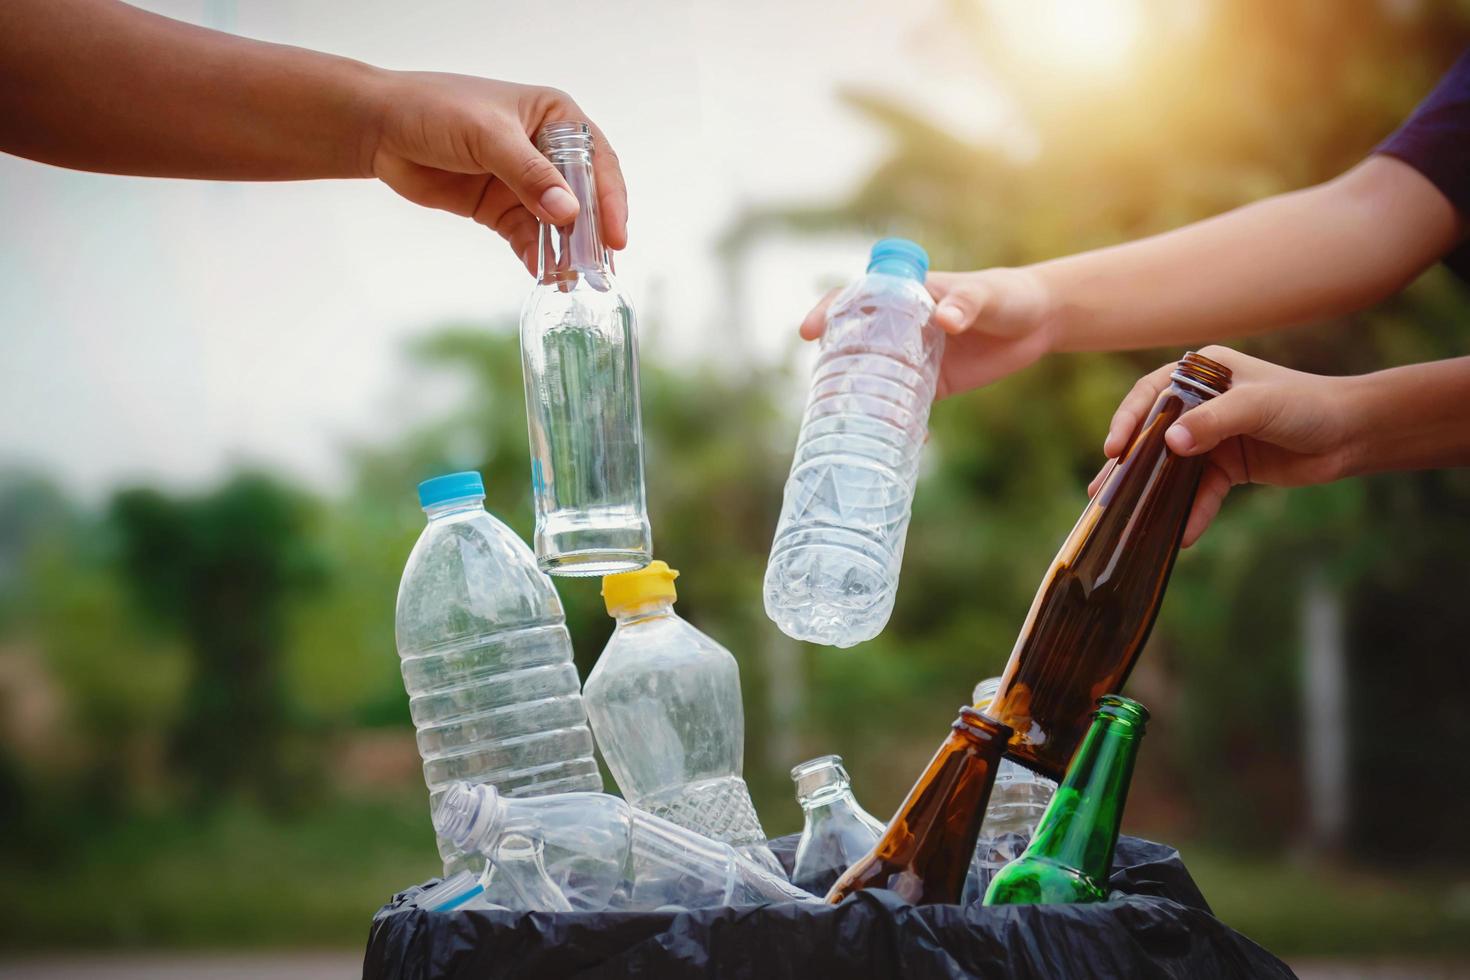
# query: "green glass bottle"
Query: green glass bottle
1071,856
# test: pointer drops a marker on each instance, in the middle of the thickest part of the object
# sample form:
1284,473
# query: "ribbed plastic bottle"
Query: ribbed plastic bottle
1016,804
587,852
833,570
664,701
487,659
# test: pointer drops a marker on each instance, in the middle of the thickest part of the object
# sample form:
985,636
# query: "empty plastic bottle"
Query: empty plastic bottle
598,852
833,570
486,657
664,701
1016,804
837,830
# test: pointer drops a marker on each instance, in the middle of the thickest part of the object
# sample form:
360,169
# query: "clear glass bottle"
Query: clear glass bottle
837,831
664,702
591,851
1016,804
579,356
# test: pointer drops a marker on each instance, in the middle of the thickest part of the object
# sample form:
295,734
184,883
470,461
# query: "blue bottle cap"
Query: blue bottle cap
452,486
899,257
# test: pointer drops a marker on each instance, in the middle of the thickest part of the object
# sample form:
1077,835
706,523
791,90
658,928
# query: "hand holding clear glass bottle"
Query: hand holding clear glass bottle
579,354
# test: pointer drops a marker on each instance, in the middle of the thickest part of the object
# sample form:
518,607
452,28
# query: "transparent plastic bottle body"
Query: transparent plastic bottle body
487,662
664,702
598,852
579,359
837,831
1017,802
833,570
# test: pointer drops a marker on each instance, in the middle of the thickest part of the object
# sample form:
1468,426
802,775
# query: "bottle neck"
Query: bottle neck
1080,827
644,611
454,508
574,251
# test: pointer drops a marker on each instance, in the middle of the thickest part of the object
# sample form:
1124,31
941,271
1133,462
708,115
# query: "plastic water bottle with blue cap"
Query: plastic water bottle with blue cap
833,571
487,659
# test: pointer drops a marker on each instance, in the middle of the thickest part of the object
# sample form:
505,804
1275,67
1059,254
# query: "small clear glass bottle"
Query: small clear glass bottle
579,356
664,702
837,831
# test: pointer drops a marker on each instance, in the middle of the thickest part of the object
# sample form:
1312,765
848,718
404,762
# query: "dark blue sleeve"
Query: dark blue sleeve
1435,140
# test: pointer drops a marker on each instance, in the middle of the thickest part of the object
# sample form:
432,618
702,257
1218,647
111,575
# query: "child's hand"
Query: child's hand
998,321
1274,426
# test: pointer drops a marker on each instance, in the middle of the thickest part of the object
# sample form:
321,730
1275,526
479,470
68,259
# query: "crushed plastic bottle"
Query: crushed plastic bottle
598,852
664,702
837,831
1017,802
487,659
833,571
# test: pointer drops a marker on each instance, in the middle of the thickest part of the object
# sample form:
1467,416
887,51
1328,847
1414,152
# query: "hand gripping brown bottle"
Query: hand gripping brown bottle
1089,621
925,852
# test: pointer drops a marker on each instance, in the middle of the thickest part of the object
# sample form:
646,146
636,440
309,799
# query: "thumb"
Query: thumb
529,175
1243,411
961,305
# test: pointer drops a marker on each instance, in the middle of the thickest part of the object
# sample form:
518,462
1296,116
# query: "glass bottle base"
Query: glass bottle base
595,562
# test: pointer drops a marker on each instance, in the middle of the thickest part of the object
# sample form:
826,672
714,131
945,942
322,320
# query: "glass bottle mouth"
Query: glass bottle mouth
1206,376
564,136
985,692
820,780
1119,708
980,726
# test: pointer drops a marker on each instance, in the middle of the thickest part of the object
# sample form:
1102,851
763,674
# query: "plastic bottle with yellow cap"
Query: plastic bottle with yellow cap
664,701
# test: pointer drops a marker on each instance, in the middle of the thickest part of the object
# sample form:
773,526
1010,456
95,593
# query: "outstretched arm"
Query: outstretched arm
1298,257
100,85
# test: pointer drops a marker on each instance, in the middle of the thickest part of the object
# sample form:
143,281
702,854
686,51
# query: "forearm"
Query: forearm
1408,418
1291,259
99,85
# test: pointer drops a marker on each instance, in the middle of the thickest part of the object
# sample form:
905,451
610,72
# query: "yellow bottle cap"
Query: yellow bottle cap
629,590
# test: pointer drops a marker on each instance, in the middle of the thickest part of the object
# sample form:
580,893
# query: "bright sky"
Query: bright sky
163,330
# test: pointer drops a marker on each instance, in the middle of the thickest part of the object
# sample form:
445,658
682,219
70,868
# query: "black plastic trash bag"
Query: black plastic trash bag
1157,924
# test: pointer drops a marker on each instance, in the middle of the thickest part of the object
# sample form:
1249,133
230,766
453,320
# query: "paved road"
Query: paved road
342,966
186,966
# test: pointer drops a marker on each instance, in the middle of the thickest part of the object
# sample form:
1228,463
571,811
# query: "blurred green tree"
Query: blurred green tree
222,569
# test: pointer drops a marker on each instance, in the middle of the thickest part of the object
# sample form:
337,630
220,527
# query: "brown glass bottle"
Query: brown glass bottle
1094,610
925,852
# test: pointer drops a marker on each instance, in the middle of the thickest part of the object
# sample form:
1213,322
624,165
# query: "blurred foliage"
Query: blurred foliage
231,646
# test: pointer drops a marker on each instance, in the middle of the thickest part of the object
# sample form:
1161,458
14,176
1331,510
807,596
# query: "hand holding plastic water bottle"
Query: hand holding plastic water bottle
833,571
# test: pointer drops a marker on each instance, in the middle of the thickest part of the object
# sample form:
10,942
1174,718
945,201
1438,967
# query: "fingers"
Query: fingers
1133,409
1214,484
1247,411
1102,475
961,300
509,155
612,191
816,321
499,209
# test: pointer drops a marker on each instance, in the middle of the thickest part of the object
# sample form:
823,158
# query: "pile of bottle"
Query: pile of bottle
507,732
